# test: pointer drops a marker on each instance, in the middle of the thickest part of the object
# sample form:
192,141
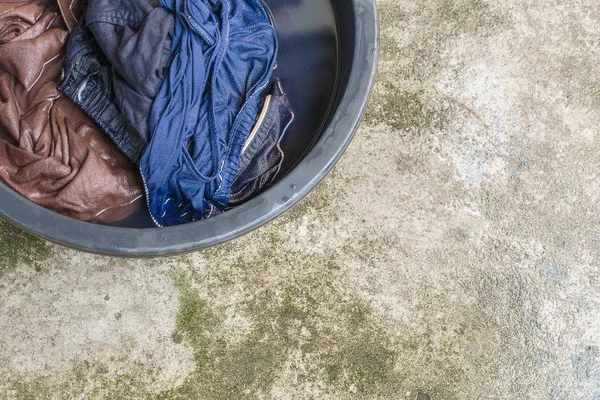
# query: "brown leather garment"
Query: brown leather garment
50,151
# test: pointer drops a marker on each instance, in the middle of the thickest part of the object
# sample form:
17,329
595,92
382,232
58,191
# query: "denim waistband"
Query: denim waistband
116,60
86,81
206,106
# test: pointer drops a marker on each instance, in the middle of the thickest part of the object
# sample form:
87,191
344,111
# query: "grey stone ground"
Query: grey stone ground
453,250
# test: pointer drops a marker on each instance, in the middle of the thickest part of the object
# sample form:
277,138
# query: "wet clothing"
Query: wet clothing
50,151
116,60
262,155
222,57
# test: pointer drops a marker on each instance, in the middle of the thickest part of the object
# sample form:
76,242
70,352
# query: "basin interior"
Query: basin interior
315,57
308,69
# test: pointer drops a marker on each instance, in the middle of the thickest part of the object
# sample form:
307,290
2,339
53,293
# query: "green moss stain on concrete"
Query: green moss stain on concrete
106,386
17,246
447,18
473,17
413,48
195,321
364,361
404,110
338,340
86,380
223,371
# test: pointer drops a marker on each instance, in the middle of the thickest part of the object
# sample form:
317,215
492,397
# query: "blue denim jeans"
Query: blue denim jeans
116,60
262,155
223,54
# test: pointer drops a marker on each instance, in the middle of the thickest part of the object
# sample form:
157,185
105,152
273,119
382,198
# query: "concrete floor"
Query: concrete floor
454,250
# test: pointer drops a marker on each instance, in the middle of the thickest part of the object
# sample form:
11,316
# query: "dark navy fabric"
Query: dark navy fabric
262,156
116,60
223,54
87,81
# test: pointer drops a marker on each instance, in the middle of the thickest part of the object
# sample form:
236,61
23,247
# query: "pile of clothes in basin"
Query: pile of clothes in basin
107,106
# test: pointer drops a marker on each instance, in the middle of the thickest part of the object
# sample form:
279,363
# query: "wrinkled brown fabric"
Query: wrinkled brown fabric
50,151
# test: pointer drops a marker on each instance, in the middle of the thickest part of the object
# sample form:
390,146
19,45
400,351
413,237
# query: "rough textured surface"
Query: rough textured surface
452,253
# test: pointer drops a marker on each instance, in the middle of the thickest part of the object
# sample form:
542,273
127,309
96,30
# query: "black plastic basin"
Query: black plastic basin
327,62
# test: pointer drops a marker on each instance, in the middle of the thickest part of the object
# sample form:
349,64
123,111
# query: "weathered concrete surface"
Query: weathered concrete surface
453,251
